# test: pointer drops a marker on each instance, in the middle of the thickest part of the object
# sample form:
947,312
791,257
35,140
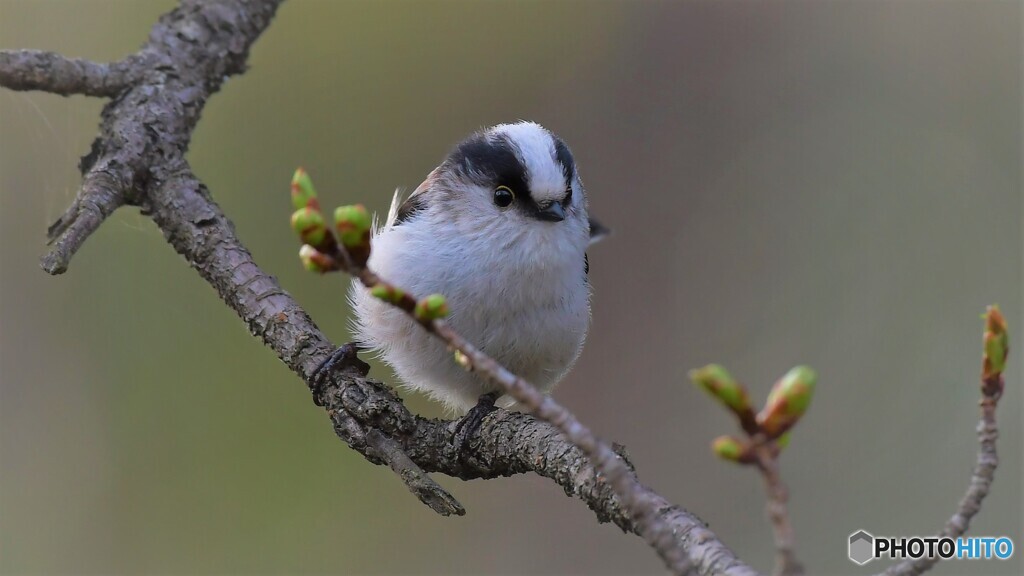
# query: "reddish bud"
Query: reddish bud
787,401
996,341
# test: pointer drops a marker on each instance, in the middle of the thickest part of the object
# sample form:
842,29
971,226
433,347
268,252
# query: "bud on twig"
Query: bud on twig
353,224
729,448
787,401
387,293
431,308
309,224
717,381
997,347
303,194
315,261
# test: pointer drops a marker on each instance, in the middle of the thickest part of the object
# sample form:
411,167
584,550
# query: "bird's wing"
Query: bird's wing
598,231
401,210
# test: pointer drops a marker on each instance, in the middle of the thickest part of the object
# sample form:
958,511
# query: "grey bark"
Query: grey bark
139,159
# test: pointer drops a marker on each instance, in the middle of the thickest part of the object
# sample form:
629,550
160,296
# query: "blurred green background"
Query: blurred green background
836,184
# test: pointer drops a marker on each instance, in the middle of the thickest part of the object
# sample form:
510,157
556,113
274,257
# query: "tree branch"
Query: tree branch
138,159
786,563
102,192
352,255
985,466
53,73
160,92
198,230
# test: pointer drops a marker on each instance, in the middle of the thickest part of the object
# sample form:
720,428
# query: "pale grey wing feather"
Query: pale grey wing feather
402,210
598,231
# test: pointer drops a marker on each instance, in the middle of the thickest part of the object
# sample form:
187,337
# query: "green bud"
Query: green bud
717,381
727,448
996,344
431,308
353,224
303,194
387,293
309,224
787,401
313,260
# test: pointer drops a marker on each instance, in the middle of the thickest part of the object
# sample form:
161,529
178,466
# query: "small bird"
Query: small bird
501,229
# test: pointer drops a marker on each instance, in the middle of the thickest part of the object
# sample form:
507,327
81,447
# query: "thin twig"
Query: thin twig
634,498
146,131
144,134
766,434
978,488
786,563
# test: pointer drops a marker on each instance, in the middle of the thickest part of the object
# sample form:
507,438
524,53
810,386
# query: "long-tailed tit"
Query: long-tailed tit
501,229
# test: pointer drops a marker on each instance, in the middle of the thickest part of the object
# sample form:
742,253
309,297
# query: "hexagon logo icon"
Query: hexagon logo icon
861,547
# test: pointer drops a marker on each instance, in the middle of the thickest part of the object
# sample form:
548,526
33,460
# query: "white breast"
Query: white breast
518,293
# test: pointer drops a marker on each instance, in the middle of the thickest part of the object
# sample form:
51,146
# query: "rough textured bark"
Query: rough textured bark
33,70
139,159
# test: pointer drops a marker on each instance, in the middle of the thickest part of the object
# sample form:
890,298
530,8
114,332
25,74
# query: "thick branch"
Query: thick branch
144,135
641,505
138,159
511,443
53,73
102,192
161,91
199,231
633,498
508,443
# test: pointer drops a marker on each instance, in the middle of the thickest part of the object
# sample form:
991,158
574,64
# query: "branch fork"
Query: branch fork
767,433
138,158
349,250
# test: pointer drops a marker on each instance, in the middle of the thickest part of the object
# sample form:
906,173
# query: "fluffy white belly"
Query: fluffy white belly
531,316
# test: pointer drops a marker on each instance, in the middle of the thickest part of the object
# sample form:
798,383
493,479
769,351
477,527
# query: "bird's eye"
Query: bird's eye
503,196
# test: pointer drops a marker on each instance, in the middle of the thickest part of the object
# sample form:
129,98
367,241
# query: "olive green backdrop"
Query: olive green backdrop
832,183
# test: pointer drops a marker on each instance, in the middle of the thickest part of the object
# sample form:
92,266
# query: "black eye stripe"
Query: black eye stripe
493,159
564,157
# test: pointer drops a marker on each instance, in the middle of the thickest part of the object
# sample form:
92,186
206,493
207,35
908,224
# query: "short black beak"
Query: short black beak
553,213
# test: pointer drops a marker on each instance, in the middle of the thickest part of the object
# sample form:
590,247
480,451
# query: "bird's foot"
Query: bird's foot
470,423
343,359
